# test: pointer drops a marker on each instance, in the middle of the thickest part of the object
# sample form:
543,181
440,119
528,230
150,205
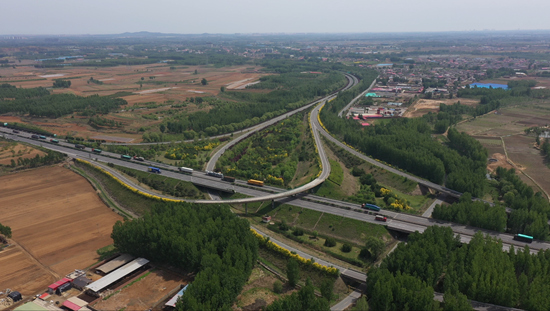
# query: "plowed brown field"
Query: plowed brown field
59,222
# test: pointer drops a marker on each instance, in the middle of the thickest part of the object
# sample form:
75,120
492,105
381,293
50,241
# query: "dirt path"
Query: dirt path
35,260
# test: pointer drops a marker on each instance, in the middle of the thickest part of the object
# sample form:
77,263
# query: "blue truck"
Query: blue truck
153,169
372,207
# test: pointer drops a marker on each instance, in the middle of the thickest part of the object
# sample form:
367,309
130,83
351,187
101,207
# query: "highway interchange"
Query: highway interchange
297,197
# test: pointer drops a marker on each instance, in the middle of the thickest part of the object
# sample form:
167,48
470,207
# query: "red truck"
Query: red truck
381,218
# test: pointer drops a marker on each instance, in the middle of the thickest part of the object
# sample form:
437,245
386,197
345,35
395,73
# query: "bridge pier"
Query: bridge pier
272,204
246,208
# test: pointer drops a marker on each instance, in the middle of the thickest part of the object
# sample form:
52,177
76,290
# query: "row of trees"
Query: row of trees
473,213
51,157
480,270
530,210
529,215
8,91
60,83
57,105
207,239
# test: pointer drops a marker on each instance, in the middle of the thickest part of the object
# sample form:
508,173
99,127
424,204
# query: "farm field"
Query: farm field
59,222
144,293
510,123
160,88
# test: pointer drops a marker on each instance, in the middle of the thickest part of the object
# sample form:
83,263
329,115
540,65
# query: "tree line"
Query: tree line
530,211
51,157
480,270
208,239
8,91
57,105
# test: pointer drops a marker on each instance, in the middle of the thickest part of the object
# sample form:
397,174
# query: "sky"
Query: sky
35,17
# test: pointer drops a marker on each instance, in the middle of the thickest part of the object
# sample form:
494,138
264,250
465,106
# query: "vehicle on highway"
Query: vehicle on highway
55,141
125,156
381,218
42,137
78,146
153,169
256,182
15,131
185,170
228,178
139,158
96,150
34,136
523,238
372,207
214,174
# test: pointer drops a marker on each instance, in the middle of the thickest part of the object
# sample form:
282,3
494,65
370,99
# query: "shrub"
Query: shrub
277,287
283,226
330,242
298,232
346,248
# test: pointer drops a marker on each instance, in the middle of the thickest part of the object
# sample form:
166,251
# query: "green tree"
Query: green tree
162,128
458,302
375,247
222,89
361,304
5,230
277,287
204,81
292,272
327,288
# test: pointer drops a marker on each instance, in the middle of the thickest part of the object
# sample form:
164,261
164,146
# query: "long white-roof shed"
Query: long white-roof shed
116,275
115,263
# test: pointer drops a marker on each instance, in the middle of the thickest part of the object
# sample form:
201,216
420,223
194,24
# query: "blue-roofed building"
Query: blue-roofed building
490,85
172,302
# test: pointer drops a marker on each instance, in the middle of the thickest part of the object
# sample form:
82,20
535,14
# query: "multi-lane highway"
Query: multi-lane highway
397,221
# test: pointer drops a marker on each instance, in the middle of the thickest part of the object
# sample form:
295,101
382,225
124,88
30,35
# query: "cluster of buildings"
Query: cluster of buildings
80,290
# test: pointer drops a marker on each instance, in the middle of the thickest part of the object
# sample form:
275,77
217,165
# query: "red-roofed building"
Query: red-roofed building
71,306
54,286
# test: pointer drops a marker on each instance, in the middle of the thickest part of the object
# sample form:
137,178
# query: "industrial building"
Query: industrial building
114,264
96,287
172,302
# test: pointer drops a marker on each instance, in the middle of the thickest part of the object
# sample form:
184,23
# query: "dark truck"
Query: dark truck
228,178
78,146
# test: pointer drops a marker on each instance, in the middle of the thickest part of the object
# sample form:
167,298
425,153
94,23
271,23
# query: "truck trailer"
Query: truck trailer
256,182
155,170
185,170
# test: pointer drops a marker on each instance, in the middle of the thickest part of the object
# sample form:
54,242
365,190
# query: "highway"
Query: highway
356,98
396,221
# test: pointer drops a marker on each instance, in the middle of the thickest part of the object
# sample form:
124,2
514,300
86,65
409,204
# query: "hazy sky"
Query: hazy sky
267,16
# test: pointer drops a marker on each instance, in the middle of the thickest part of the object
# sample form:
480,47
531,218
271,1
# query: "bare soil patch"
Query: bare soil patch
21,273
501,162
143,294
522,153
424,106
57,217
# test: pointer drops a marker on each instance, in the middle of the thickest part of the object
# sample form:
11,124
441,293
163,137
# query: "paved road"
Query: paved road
352,80
397,221
356,98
